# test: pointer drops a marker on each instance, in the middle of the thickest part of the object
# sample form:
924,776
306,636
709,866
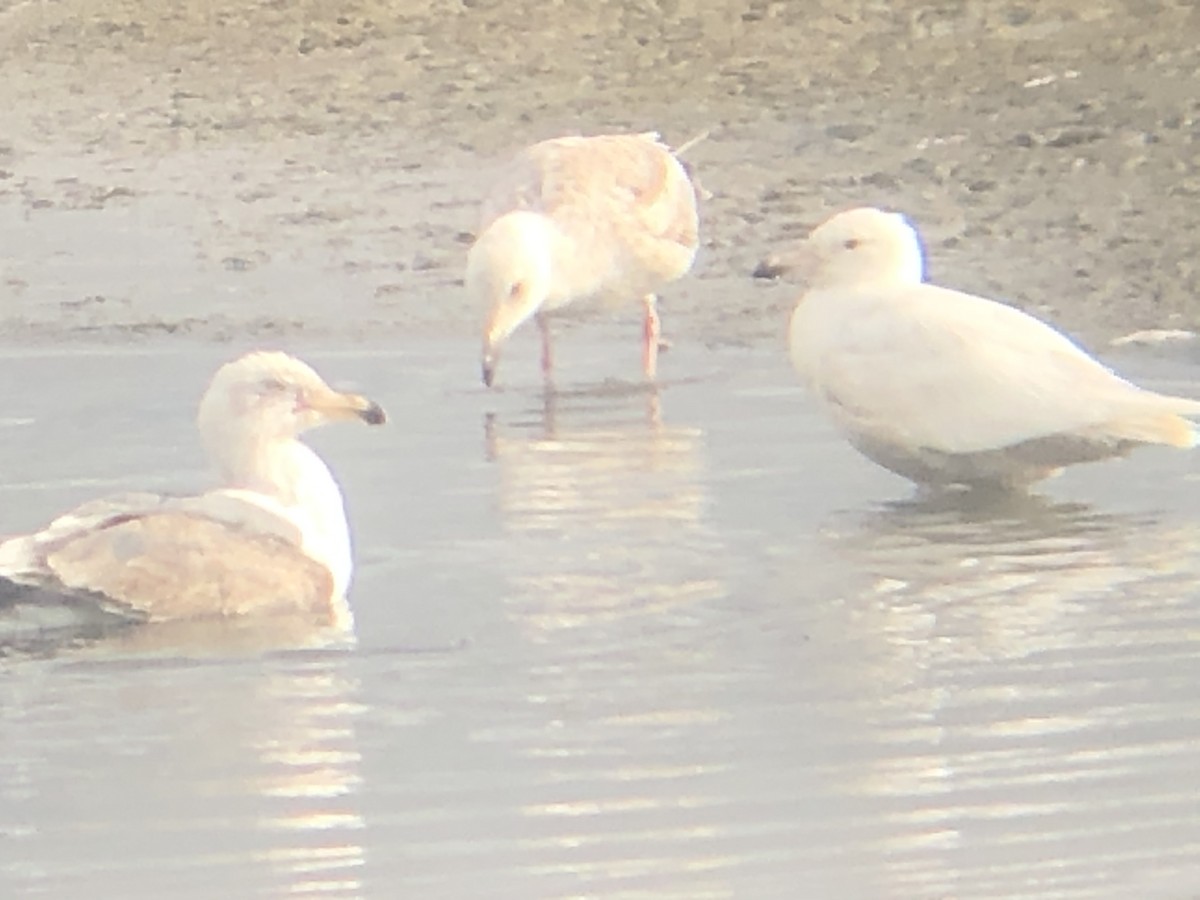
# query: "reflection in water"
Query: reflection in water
65,625
995,646
603,512
609,558
310,772
997,577
250,778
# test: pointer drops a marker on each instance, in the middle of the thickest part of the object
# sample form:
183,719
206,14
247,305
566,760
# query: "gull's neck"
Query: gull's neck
579,258
906,265
274,466
290,472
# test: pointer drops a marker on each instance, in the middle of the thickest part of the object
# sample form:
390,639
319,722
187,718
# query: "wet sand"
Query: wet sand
613,644
313,168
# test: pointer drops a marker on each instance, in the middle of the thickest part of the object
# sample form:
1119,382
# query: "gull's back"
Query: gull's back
624,201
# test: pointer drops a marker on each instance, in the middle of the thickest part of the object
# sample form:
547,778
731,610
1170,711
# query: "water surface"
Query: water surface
615,643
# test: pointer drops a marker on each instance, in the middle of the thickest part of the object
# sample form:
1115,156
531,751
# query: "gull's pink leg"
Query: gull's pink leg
547,352
651,331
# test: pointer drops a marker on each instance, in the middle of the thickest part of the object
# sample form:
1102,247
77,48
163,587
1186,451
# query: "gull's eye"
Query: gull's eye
274,386
515,290
850,243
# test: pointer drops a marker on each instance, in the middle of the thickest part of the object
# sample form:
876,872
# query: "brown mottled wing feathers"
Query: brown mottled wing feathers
169,565
630,175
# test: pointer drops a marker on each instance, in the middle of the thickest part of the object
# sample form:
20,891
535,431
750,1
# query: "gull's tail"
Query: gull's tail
1168,426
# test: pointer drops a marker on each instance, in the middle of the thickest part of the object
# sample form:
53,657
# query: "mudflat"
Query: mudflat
227,169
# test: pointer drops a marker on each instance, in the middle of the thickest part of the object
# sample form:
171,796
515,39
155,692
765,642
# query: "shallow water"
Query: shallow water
615,644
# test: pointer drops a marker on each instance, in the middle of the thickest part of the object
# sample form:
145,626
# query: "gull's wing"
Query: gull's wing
159,558
925,366
20,555
630,179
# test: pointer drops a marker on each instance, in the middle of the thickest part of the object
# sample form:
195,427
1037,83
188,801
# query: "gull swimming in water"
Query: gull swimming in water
576,217
272,538
946,388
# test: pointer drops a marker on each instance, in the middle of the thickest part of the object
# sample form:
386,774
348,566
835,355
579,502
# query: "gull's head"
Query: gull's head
266,396
861,246
508,274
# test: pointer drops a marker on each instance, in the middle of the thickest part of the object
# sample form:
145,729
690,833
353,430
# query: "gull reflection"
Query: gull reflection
1019,667
246,773
604,508
53,625
610,558
310,777
1010,577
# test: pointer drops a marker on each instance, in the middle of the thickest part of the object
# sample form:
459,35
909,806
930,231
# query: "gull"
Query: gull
610,216
272,538
946,388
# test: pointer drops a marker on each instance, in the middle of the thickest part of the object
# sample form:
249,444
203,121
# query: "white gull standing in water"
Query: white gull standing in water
272,538
609,216
946,388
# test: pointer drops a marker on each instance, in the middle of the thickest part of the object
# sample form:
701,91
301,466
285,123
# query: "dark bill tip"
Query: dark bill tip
374,415
489,373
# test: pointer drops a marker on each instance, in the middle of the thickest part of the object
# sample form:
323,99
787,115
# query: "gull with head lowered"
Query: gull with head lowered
611,216
271,539
946,388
